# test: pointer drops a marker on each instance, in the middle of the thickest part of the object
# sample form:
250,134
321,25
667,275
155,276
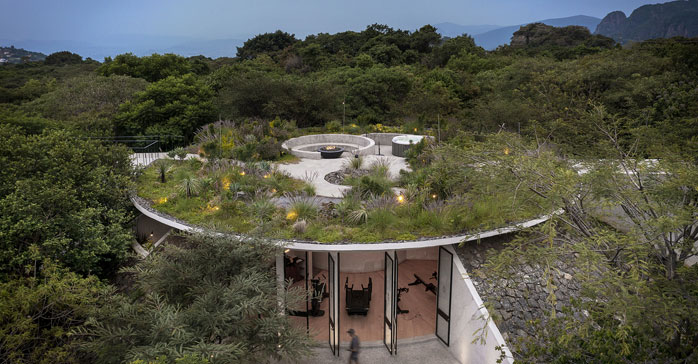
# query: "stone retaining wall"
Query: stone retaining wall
365,146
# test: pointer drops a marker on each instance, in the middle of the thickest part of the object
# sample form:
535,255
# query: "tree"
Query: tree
87,100
628,226
61,58
214,297
62,198
172,106
151,68
37,315
270,43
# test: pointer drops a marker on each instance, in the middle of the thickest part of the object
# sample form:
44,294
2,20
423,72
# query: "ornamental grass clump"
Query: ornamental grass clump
302,206
370,186
262,208
381,168
354,163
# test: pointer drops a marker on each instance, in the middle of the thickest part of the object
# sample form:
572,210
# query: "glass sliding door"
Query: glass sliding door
333,289
443,298
390,302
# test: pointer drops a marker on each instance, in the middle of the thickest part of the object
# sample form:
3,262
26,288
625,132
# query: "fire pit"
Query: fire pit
330,152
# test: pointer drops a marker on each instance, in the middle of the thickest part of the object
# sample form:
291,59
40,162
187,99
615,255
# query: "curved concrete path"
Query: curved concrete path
318,168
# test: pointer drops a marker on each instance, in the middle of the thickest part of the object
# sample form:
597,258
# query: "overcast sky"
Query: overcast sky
217,19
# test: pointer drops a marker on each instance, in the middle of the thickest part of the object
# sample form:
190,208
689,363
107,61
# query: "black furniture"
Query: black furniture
318,294
431,287
358,301
400,291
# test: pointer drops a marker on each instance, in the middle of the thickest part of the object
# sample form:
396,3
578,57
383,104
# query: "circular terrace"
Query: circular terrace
308,146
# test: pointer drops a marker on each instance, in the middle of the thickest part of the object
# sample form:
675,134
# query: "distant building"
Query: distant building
3,60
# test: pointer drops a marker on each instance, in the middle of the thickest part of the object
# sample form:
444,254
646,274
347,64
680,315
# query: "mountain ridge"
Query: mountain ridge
666,20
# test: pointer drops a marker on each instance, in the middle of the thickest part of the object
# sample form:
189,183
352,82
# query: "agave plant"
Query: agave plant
190,185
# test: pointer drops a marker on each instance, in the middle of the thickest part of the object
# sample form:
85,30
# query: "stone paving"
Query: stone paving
421,351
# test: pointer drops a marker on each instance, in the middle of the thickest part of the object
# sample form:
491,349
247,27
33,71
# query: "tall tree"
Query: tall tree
215,298
62,198
172,106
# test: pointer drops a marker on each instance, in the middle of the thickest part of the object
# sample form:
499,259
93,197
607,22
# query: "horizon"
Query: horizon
100,29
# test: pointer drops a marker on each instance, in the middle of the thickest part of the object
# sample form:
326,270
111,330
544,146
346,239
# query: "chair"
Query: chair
358,301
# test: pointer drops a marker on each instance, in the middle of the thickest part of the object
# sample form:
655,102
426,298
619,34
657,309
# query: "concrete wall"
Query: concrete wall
358,261
365,146
423,254
467,316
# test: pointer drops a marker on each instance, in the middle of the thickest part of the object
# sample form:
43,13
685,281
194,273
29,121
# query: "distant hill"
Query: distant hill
494,38
672,19
18,55
454,30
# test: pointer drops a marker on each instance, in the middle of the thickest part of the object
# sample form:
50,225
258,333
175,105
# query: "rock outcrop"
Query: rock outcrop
672,19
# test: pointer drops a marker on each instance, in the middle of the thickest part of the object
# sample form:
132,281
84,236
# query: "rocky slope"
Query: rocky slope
672,19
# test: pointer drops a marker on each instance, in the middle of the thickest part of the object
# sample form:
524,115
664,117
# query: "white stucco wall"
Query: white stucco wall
467,316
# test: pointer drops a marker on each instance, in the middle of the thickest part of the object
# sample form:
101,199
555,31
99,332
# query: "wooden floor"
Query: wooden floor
420,321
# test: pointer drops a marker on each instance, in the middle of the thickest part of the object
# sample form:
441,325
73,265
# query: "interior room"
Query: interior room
361,292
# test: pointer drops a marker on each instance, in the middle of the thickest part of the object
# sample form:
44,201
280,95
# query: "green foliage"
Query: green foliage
215,299
37,316
190,185
62,58
246,92
151,68
249,140
302,207
54,210
84,100
171,106
354,163
268,43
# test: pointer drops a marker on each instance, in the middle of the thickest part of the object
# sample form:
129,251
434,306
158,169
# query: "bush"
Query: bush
370,185
333,126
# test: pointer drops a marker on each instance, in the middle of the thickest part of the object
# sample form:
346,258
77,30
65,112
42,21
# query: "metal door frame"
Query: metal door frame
333,309
445,316
392,322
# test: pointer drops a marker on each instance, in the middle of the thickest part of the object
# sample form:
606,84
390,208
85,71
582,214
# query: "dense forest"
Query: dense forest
65,216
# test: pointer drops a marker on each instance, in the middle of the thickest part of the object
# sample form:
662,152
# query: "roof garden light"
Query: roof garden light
242,173
401,198
506,151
